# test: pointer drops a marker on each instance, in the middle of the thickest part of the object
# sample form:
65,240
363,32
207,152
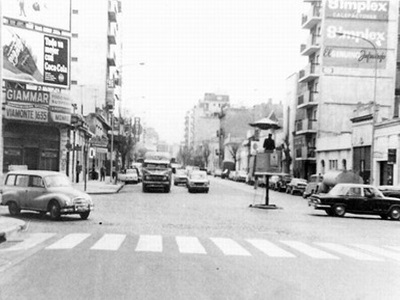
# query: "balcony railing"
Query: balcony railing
306,126
305,152
112,11
312,18
310,72
307,99
111,60
312,46
112,35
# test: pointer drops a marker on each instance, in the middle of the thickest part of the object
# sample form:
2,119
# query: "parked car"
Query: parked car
241,176
390,190
217,173
273,182
198,181
284,180
180,177
232,175
225,174
44,192
356,199
312,185
296,185
129,176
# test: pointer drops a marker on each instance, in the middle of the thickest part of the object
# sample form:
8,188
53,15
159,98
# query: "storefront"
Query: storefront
34,128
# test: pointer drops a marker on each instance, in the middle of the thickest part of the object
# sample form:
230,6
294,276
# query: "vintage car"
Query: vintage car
390,190
157,174
296,185
180,177
241,176
356,199
129,176
312,185
217,173
198,182
282,183
44,192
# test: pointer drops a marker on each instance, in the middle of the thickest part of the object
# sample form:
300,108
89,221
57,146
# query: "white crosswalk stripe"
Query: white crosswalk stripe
269,248
190,245
379,251
110,242
30,242
310,251
230,247
149,243
69,241
393,248
348,251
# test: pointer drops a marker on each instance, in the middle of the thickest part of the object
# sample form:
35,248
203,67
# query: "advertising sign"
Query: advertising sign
26,112
52,13
354,52
357,9
35,57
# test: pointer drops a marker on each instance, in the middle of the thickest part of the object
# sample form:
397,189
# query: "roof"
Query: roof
156,161
356,185
36,172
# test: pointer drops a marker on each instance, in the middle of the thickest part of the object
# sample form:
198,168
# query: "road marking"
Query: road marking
69,241
230,247
309,251
348,251
30,242
190,245
110,242
269,248
379,251
149,243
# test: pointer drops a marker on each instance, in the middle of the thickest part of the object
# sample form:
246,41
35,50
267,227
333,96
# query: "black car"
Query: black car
356,199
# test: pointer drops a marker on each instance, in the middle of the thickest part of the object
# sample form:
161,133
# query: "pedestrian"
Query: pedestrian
102,173
22,7
269,143
78,171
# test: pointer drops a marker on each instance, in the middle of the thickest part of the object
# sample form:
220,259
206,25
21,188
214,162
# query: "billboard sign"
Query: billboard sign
352,51
54,13
35,57
26,112
357,9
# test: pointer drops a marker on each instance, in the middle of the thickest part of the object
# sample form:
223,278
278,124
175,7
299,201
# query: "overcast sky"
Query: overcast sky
241,48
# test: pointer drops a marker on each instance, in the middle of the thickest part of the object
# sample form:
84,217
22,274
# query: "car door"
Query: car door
21,190
35,191
374,203
355,200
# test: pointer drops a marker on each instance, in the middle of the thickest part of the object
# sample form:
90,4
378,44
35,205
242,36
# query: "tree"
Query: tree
185,156
233,150
206,153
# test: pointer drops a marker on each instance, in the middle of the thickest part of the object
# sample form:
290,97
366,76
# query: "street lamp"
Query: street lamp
371,175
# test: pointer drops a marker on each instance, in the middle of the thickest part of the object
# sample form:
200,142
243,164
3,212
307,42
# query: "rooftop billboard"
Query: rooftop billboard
53,13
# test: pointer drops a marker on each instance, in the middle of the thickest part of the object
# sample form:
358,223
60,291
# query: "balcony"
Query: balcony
312,18
312,45
111,59
310,72
305,153
112,36
307,99
112,11
306,126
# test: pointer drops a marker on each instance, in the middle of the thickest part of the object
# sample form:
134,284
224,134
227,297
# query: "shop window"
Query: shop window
344,164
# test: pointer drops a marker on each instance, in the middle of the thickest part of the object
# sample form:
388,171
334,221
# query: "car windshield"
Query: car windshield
180,172
57,181
131,171
199,175
156,166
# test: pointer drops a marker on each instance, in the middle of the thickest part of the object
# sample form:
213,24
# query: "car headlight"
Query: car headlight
68,201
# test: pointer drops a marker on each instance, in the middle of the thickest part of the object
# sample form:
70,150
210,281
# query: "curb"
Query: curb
106,192
5,233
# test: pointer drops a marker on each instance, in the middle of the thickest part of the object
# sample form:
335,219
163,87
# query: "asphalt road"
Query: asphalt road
202,246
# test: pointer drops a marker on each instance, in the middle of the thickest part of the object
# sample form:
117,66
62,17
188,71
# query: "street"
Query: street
201,246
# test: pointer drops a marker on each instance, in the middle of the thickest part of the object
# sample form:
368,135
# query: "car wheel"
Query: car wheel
304,195
55,211
394,213
339,210
85,215
144,189
13,208
329,212
167,189
175,184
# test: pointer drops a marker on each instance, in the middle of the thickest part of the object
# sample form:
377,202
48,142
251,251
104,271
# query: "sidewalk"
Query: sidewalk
8,226
97,187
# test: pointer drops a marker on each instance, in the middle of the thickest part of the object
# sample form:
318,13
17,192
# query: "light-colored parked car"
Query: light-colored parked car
217,173
44,192
241,176
129,176
296,185
198,181
180,177
312,185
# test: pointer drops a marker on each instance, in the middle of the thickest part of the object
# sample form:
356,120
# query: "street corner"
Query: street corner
9,226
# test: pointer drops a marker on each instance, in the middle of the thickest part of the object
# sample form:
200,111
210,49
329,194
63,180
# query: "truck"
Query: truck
156,172
331,178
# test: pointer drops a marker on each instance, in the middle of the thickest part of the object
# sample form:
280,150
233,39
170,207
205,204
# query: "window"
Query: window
22,180
75,11
74,59
10,180
36,181
74,35
74,82
344,164
354,191
333,165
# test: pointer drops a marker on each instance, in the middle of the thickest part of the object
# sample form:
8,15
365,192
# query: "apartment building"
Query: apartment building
351,53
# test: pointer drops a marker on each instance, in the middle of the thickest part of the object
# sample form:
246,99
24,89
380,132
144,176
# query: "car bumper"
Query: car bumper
75,209
152,184
317,205
199,187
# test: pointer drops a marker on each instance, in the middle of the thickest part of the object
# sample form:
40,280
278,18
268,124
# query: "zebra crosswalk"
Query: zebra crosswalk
190,245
